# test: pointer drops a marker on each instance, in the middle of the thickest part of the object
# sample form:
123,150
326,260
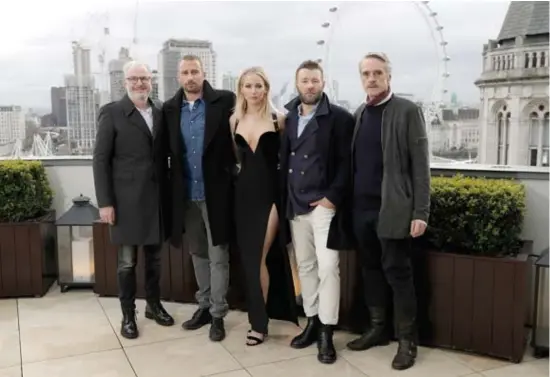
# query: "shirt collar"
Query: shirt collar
148,109
185,102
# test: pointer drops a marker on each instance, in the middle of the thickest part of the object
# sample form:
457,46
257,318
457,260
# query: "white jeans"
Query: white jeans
318,266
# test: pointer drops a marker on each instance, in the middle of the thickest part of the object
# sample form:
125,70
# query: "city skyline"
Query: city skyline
239,49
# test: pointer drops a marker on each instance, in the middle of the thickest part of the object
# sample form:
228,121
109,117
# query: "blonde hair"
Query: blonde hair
241,105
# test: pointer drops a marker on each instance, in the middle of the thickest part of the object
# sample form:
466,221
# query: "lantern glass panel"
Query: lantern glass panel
82,247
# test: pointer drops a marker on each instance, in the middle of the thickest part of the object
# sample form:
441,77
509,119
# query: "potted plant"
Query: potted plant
27,230
475,288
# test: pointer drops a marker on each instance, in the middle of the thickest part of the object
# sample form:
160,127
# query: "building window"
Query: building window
526,61
539,134
507,139
533,138
543,59
534,61
500,137
545,155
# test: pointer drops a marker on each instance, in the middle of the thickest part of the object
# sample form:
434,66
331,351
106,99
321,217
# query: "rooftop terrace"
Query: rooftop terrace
77,333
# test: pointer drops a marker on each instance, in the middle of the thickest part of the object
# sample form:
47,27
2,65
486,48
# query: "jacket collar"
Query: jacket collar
129,106
209,95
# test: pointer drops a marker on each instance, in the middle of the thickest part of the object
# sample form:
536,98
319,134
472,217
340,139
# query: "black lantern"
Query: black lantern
75,255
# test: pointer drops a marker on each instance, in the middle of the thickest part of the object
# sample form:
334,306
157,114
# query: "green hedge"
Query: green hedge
25,192
476,215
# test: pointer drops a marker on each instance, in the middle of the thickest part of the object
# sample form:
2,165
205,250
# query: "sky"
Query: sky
35,41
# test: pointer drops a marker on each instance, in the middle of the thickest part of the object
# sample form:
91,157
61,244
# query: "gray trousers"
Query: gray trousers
211,263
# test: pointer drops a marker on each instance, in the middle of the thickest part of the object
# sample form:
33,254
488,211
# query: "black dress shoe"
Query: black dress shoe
128,327
406,355
200,318
376,334
326,352
156,312
307,337
217,330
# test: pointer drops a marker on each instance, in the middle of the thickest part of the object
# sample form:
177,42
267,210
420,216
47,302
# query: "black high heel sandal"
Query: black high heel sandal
252,340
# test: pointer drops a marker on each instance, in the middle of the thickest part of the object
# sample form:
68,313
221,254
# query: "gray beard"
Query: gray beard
142,97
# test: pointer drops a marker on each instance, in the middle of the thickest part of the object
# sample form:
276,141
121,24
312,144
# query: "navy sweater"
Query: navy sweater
368,161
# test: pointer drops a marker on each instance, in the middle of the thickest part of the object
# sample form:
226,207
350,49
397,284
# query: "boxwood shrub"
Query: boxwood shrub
25,192
476,215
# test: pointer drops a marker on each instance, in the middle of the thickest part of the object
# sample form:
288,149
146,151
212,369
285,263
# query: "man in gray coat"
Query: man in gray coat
131,179
391,203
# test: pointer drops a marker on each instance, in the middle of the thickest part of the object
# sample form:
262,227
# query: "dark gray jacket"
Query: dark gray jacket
130,169
406,158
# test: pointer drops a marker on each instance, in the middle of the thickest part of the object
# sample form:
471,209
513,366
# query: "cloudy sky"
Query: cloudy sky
35,49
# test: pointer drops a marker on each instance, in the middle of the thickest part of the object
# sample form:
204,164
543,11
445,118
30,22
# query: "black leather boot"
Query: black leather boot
407,350
375,335
128,327
308,336
326,352
155,311
217,330
200,318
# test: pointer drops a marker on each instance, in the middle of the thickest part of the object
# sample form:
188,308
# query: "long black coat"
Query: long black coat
334,144
130,167
218,161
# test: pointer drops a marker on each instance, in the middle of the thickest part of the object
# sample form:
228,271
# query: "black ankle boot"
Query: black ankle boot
407,350
217,330
200,318
406,355
155,311
376,334
326,352
308,336
128,328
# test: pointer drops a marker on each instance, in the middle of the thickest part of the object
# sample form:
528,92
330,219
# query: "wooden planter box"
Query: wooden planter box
468,303
105,266
475,304
177,280
28,257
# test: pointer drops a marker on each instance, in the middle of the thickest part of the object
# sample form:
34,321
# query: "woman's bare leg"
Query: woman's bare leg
270,233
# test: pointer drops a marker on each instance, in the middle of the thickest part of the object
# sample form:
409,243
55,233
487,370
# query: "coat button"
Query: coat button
290,170
305,156
292,153
302,173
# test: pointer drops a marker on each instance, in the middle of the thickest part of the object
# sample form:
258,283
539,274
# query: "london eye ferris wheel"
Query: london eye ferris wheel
432,107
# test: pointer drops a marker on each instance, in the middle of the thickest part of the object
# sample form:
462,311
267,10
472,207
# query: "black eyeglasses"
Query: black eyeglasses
135,79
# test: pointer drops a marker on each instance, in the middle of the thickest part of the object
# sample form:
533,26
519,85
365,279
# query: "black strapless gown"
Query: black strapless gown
256,190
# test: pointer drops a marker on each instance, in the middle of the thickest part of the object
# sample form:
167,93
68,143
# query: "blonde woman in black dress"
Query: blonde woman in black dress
256,129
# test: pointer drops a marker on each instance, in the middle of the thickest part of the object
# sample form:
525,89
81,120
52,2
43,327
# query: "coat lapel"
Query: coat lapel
134,116
137,119
358,114
157,122
311,128
172,110
213,114
292,125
